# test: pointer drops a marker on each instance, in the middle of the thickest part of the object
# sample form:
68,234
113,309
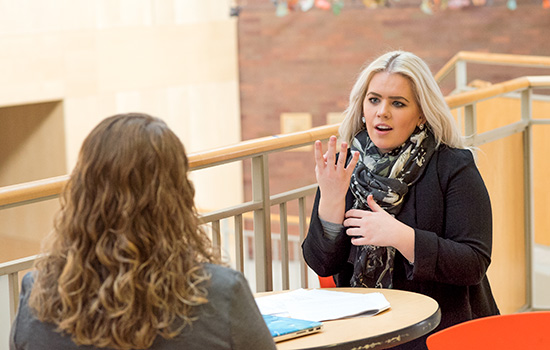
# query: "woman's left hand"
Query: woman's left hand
378,227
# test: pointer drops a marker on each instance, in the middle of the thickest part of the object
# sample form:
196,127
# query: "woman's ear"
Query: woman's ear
422,120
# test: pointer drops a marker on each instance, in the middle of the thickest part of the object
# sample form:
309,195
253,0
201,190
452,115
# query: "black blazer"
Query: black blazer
450,211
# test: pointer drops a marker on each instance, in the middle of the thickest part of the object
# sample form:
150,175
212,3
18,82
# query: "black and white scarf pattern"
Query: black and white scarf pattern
387,177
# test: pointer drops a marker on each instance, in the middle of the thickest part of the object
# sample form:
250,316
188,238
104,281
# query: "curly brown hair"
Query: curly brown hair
125,262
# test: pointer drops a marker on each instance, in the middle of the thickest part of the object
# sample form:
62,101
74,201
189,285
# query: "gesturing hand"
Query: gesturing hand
333,178
378,227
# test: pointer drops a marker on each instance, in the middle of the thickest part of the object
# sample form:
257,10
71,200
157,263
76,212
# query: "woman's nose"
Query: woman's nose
383,110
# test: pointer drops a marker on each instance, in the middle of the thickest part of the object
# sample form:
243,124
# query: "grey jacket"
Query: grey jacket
230,320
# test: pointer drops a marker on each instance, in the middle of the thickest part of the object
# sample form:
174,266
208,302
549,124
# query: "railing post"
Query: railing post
262,224
470,124
217,236
283,223
239,244
528,190
461,75
303,231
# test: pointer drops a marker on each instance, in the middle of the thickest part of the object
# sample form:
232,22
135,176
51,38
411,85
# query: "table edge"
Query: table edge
389,339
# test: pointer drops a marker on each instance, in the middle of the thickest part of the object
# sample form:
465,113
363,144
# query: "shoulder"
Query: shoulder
447,164
29,332
26,284
449,155
222,272
227,289
458,167
451,161
225,278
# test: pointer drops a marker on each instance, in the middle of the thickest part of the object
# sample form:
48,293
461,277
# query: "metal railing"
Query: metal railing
459,63
262,201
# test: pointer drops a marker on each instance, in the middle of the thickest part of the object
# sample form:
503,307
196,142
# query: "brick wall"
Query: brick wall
307,62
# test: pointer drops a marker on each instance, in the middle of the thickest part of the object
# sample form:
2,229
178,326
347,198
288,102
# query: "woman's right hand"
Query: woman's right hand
333,178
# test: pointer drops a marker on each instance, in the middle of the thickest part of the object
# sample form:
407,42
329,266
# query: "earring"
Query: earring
363,119
421,126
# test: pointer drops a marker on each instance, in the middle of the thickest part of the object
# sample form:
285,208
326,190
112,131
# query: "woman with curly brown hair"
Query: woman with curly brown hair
128,266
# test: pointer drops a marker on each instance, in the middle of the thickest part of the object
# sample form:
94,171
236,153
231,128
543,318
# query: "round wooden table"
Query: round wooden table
410,316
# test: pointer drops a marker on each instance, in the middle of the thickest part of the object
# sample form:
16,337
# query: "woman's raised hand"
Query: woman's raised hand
333,178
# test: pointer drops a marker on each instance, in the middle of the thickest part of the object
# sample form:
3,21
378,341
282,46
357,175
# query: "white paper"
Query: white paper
322,305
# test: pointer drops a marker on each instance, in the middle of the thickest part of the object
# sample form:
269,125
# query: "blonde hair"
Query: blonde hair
126,258
427,93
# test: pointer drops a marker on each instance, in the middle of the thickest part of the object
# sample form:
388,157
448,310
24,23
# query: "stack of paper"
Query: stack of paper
322,305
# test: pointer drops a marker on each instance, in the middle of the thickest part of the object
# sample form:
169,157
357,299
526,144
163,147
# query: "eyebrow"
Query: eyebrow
392,97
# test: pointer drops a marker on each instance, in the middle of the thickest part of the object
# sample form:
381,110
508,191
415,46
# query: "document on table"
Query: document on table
322,305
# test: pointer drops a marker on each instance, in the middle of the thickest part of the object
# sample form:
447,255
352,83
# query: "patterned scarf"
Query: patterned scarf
388,178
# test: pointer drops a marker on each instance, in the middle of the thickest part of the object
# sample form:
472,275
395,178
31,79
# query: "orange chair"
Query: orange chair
528,330
327,282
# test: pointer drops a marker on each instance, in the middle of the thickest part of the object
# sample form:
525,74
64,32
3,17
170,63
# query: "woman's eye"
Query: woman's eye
373,100
398,104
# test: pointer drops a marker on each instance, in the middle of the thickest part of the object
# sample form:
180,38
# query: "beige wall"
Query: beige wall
175,59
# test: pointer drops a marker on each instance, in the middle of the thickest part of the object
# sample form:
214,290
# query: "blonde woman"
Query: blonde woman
406,208
128,266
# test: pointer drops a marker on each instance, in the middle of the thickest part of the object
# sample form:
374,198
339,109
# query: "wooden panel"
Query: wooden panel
497,112
541,143
16,248
32,143
501,165
32,147
503,111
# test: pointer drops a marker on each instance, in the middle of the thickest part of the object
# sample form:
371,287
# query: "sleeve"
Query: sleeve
461,253
248,328
330,229
326,256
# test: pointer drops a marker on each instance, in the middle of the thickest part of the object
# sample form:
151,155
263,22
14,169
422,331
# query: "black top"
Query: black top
450,212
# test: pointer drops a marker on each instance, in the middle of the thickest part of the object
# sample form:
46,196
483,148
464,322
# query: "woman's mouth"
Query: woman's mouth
383,127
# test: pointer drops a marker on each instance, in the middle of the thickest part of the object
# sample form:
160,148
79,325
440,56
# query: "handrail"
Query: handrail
484,93
28,192
492,58
17,265
24,193
247,149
